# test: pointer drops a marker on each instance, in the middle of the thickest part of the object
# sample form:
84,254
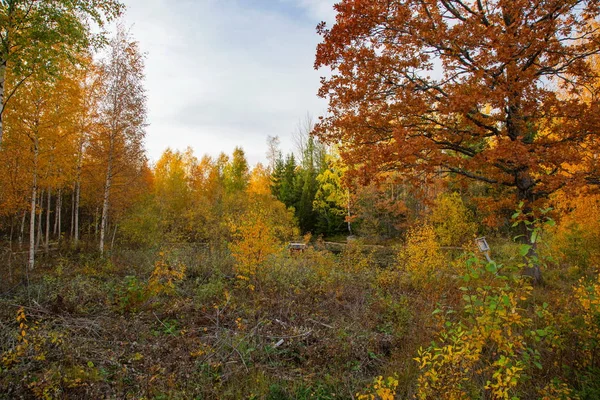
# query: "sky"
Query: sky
227,73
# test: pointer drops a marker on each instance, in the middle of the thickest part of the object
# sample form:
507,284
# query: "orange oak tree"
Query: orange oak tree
469,87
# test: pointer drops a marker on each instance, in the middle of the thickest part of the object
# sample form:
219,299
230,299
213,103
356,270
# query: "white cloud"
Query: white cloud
319,9
226,73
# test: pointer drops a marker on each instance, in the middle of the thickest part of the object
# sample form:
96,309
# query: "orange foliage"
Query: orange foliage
489,117
575,237
260,180
254,242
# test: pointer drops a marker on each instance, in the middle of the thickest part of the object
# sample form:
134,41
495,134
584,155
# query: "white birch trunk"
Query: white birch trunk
31,262
39,221
55,227
49,204
77,193
103,221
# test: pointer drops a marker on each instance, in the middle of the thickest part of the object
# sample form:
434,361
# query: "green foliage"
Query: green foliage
484,343
534,228
296,185
141,226
306,184
211,291
331,199
131,294
236,173
284,181
394,315
42,32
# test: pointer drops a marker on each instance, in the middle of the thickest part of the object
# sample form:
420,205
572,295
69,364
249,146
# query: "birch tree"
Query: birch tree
123,114
38,123
86,122
35,34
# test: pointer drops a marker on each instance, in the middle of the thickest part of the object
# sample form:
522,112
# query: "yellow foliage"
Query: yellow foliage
382,389
32,344
260,181
354,260
165,276
202,350
486,345
12,357
588,304
254,241
452,220
575,238
421,257
558,391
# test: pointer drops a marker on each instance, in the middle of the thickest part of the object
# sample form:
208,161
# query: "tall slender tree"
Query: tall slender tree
119,140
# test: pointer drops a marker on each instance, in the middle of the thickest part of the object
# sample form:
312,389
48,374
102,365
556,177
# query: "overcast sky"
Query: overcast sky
226,73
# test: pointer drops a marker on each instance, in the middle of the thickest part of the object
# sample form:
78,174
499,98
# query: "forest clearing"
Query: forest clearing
433,234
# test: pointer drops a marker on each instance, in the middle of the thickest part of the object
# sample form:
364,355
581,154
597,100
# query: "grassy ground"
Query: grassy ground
315,326
307,325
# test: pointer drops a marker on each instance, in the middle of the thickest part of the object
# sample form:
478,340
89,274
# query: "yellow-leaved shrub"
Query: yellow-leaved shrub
381,389
164,276
254,241
588,307
480,352
421,256
452,220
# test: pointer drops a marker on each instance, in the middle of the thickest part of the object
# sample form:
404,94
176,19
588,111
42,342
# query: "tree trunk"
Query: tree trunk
349,216
526,194
22,233
112,242
96,223
2,88
105,201
55,227
31,262
56,214
48,208
77,187
12,230
76,210
59,215
73,213
39,221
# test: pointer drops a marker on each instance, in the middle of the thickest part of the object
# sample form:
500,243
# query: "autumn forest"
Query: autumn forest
434,234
